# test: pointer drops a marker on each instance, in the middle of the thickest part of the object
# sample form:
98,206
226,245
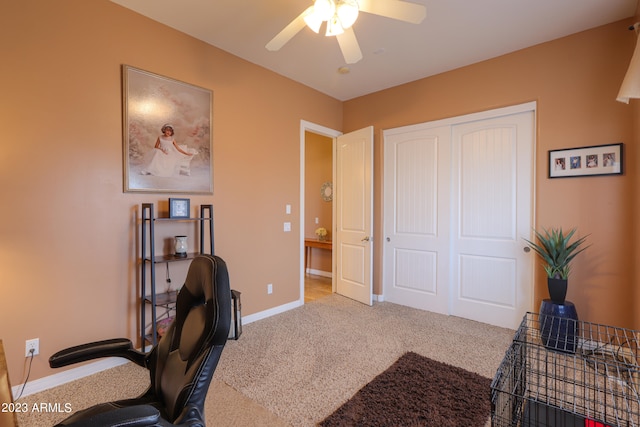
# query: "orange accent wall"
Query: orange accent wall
575,81
68,233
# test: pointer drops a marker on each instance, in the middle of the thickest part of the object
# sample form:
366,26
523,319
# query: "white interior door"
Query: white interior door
353,246
416,212
492,206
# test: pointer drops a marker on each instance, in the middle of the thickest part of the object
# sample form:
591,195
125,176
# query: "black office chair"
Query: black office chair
181,365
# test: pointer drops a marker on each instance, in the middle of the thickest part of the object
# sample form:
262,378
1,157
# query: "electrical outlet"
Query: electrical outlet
270,288
34,345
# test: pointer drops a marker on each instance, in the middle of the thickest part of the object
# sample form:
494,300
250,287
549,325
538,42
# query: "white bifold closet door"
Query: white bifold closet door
457,205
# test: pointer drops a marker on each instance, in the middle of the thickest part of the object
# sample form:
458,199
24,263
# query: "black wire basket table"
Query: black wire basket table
561,372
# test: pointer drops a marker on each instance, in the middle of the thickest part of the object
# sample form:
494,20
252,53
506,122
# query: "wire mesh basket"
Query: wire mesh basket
563,373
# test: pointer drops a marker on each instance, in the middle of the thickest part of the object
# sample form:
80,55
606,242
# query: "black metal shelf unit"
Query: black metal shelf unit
164,299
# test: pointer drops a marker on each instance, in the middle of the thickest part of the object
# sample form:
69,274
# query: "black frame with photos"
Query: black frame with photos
596,160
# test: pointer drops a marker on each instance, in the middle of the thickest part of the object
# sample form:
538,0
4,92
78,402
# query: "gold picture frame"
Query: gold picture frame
167,134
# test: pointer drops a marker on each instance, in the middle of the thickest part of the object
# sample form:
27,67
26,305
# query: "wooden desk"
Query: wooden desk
314,243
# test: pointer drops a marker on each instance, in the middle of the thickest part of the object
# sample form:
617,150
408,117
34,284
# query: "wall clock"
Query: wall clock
326,191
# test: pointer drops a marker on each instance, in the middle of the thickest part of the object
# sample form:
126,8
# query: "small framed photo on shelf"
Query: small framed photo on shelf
179,208
586,161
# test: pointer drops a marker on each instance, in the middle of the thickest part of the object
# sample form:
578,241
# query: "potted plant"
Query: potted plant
557,253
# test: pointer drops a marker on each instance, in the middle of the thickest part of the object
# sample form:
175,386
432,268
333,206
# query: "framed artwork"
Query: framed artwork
586,161
167,134
179,208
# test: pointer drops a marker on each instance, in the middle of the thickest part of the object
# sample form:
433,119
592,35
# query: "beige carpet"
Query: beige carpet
296,368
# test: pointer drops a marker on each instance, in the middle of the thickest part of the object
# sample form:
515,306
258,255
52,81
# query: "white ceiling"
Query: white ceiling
455,33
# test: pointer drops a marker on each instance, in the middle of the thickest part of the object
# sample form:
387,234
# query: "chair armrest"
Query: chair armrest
129,416
119,347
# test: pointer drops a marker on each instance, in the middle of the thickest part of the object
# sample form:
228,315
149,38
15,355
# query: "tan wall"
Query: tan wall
318,170
68,237
575,81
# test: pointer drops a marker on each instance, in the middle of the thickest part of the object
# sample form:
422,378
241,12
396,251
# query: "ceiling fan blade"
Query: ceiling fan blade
395,9
288,32
349,46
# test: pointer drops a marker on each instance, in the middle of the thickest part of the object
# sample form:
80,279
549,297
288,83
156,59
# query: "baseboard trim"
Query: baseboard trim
69,375
319,272
73,374
270,312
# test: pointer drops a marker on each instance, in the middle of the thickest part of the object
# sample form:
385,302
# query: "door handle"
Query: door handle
365,239
527,249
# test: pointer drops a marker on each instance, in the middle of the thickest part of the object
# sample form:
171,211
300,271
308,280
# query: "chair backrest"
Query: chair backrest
7,415
183,362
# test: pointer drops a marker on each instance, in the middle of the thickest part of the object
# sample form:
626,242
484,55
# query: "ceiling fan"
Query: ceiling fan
340,15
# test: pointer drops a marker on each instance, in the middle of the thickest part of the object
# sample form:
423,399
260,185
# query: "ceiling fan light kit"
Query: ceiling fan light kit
313,20
347,12
333,27
340,15
324,9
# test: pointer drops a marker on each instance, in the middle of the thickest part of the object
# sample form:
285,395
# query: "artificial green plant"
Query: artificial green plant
556,252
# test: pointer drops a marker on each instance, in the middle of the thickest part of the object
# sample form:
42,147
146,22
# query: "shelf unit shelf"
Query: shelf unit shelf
164,299
161,259
148,294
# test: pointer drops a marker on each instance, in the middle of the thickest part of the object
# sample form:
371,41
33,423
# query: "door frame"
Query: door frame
306,126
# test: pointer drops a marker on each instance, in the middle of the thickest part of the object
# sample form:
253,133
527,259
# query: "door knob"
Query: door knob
527,249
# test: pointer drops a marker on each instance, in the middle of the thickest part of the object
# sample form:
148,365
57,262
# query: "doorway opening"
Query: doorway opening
351,245
316,210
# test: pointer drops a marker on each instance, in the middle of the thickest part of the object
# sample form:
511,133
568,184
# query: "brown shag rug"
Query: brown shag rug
417,391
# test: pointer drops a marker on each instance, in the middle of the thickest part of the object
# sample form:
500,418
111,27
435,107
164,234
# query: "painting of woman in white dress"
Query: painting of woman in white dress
178,160
167,158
